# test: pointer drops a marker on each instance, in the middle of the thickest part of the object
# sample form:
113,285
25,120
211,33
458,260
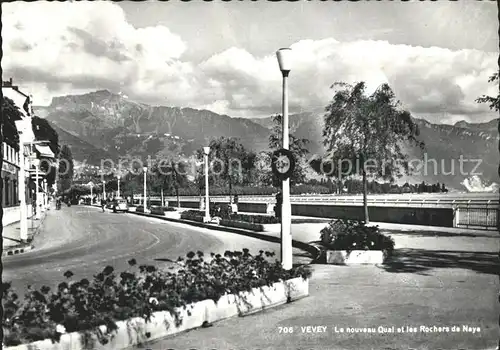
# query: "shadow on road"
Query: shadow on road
420,260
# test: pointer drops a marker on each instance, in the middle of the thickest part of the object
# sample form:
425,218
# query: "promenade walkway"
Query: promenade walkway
12,233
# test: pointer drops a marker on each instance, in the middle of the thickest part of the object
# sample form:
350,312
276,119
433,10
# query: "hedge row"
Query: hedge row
252,219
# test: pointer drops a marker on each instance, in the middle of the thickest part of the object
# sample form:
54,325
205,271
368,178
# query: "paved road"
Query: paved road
84,240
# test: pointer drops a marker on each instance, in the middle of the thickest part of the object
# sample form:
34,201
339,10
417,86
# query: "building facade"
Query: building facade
10,173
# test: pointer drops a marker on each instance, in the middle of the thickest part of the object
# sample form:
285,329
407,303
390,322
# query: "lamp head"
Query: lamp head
284,59
145,169
206,150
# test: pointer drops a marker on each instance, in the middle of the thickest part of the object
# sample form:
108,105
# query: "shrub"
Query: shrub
222,210
138,292
254,219
196,215
355,235
157,210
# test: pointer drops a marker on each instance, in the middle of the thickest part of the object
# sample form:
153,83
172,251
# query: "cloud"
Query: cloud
76,47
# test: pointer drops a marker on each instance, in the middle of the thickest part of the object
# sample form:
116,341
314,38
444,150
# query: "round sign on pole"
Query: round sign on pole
283,164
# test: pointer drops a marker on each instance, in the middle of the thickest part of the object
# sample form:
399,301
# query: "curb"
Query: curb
297,244
19,249
24,247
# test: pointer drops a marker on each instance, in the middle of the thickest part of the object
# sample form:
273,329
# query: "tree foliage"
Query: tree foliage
494,102
43,131
170,174
10,113
66,169
132,184
231,163
368,133
296,145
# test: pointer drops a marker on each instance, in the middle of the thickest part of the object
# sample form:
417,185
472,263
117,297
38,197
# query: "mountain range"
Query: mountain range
102,124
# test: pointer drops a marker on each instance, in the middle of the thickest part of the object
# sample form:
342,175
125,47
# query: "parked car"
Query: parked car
119,205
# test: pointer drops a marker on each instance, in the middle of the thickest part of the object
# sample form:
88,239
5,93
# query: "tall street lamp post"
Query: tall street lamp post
206,151
91,193
118,186
46,195
104,190
36,163
284,61
145,169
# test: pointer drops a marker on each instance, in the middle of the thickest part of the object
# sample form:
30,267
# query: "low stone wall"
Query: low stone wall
342,257
193,218
251,226
188,204
405,215
134,331
252,208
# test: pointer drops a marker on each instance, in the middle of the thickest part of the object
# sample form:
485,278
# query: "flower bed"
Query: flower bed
352,242
159,210
250,226
94,308
254,219
226,215
242,224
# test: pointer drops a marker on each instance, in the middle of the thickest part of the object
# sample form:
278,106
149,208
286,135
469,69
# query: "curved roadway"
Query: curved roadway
84,240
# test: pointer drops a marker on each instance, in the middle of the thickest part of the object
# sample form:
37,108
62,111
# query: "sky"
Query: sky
436,56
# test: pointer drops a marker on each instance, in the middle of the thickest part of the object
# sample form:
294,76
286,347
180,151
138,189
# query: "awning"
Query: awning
20,100
44,151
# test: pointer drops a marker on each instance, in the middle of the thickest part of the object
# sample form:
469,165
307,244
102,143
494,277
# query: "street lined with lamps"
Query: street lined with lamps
103,190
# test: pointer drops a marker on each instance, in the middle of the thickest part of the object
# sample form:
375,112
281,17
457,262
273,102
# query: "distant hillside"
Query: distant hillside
116,124
102,124
476,143
81,149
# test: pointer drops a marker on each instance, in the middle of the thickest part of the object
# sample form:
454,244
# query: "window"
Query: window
15,198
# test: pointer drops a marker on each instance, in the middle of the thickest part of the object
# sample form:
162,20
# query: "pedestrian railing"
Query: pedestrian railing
477,216
477,213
